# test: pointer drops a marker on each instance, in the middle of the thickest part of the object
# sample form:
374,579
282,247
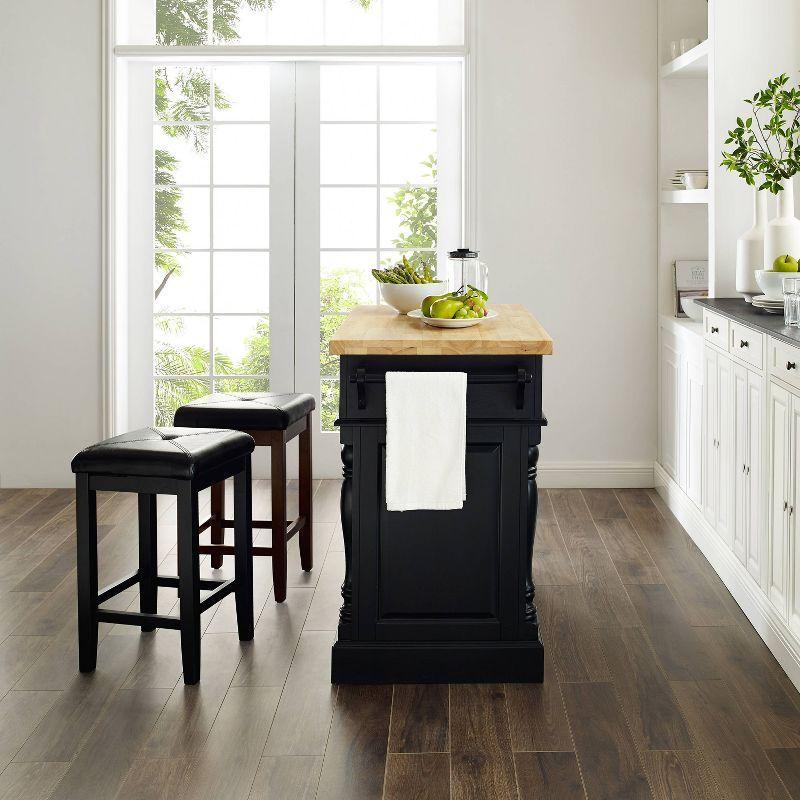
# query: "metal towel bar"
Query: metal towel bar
361,379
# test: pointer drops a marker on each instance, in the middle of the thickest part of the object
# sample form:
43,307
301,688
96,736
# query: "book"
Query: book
690,279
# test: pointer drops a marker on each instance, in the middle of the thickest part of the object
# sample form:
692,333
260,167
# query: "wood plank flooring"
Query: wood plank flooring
656,685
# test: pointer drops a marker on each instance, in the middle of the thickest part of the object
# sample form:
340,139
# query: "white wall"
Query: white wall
567,130
50,397
751,47
567,221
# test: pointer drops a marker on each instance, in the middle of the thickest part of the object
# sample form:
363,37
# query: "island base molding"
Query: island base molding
778,637
438,662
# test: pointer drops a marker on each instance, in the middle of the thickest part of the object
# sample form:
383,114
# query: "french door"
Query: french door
260,195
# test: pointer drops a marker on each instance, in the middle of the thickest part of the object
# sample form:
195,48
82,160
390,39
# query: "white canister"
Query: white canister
782,236
750,248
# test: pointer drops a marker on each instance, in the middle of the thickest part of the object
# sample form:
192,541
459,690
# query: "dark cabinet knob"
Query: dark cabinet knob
714,330
743,343
791,365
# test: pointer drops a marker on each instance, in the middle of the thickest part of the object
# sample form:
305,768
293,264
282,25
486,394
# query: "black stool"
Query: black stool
150,462
272,420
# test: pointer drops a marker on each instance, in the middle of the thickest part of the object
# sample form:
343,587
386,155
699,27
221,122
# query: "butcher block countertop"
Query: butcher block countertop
380,330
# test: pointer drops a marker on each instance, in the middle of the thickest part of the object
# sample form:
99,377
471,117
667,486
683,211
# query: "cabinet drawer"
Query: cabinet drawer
715,328
747,344
784,362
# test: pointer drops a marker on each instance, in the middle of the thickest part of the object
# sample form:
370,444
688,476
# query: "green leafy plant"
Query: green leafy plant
767,144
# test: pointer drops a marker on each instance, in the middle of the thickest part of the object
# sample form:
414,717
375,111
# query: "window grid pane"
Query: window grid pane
212,226
384,218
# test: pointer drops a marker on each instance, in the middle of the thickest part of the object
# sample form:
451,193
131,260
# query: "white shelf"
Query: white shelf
681,196
693,64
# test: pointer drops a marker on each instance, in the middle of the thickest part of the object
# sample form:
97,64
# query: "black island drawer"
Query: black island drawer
498,387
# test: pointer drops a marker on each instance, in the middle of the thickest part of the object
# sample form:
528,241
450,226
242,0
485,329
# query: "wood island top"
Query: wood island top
380,330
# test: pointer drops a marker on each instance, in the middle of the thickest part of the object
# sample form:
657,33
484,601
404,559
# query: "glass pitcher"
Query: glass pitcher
466,269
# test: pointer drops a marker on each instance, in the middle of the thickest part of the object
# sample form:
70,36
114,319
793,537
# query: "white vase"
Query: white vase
782,236
750,248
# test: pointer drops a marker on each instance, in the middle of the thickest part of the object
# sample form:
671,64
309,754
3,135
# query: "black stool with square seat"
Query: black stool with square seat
150,462
272,420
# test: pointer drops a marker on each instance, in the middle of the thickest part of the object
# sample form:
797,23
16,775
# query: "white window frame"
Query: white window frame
115,367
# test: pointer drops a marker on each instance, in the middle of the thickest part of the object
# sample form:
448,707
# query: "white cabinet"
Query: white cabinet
718,467
681,416
791,503
670,403
692,453
747,484
755,539
779,410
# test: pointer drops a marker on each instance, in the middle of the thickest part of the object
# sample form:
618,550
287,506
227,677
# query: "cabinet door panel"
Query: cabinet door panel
725,470
779,463
670,400
445,575
793,496
711,415
756,539
740,458
694,431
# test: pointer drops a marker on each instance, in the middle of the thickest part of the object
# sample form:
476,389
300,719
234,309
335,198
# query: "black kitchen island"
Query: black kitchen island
441,596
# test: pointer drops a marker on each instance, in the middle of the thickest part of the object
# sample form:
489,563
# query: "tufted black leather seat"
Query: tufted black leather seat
183,453
251,411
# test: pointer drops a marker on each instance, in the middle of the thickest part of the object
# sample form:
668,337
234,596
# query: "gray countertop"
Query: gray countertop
739,311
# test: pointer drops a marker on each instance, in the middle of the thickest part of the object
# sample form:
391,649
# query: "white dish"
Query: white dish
451,323
405,297
771,282
691,309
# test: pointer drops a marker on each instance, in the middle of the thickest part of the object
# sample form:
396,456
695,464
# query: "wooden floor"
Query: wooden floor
656,687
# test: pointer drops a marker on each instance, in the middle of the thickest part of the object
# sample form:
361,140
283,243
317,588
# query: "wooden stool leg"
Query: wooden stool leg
306,506
243,550
148,557
189,583
86,517
278,458
217,518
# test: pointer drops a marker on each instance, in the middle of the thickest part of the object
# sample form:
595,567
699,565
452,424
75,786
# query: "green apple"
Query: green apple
785,264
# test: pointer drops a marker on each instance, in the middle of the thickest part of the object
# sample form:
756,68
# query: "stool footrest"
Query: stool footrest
204,583
291,527
135,618
223,590
116,588
227,550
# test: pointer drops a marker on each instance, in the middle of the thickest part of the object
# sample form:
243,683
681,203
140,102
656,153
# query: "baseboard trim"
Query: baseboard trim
745,591
595,475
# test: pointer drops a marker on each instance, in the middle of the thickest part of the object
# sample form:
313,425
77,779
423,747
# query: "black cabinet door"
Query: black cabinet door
443,575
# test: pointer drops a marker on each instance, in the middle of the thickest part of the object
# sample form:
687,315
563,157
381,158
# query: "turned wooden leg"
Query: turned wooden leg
278,459
217,518
306,504
189,584
243,551
148,557
346,509
533,507
86,512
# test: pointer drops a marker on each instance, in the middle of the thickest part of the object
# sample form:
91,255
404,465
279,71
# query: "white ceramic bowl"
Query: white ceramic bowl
771,282
405,297
691,309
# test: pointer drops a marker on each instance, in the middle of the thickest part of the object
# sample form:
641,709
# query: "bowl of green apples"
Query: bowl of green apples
460,309
771,280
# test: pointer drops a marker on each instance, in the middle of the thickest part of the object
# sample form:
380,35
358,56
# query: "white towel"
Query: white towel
426,440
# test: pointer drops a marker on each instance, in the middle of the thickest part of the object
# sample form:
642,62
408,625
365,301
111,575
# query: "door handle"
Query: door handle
785,505
744,343
714,329
748,470
744,469
791,365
